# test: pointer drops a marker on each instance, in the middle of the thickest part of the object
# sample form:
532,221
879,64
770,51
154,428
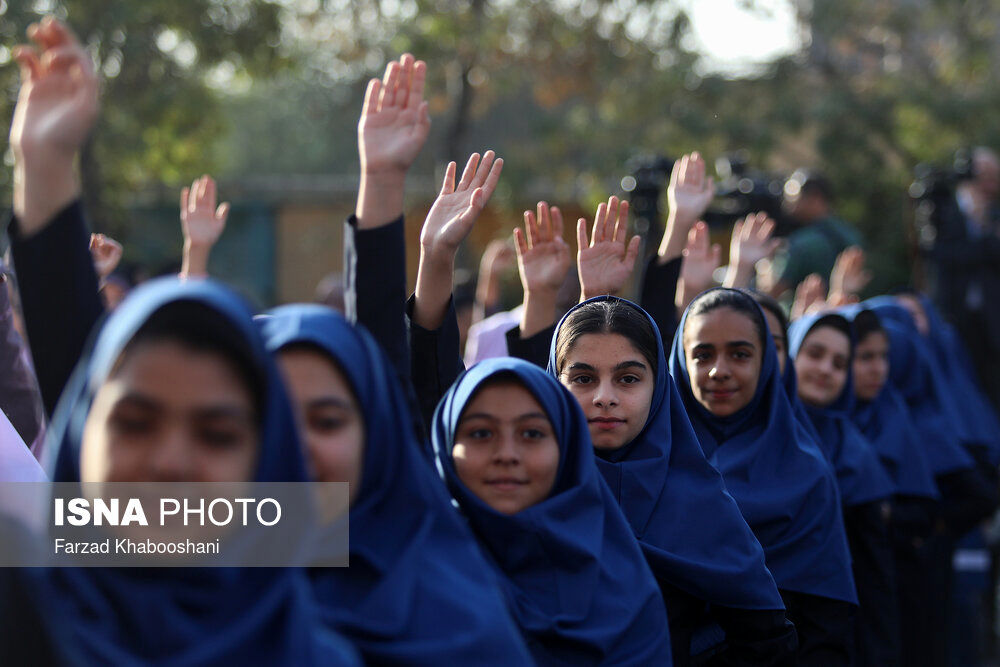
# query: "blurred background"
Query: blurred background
583,98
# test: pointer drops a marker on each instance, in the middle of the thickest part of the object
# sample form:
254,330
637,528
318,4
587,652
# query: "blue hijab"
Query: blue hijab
781,481
689,527
886,422
860,476
418,590
129,616
913,372
974,408
573,573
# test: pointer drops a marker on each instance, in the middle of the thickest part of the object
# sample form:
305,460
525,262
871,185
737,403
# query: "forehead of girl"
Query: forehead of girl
831,338
721,327
503,400
604,351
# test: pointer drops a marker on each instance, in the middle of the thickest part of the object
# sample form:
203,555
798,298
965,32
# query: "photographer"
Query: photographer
962,246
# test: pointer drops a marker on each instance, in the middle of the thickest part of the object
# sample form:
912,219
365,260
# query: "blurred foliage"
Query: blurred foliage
566,90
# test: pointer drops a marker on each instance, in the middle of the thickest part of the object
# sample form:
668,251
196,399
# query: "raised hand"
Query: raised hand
751,242
688,195
542,254
394,123
393,128
57,104
447,224
701,259
457,206
106,253
849,276
202,223
56,109
810,296
606,261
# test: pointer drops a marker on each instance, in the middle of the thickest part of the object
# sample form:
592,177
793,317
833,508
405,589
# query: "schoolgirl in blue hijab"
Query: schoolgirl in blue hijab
822,346
418,590
574,576
690,529
782,483
177,386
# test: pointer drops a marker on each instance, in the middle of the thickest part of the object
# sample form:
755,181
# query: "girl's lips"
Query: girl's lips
720,395
606,423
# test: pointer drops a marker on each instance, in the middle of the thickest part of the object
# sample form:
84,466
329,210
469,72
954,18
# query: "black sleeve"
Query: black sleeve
58,287
966,499
659,287
19,397
754,637
435,362
534,349
825,629
375,286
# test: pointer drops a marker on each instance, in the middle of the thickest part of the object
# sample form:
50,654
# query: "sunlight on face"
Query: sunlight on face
614,384
871,366
505,449
170,414
723,352
822,364
328,416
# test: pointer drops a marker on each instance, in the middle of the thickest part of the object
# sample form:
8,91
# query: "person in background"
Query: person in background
818,238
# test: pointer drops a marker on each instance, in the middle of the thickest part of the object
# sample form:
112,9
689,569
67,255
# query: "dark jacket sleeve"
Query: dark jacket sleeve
534,349
375,286
435,362
19,398
755,637
659,287
59,297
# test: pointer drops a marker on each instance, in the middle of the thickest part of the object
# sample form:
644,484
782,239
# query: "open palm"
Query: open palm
542,255
57,104
394,122
606,262
457,206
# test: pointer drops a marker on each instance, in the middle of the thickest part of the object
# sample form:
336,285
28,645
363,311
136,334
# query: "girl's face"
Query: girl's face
723,352
328,416
822,364
871,366
614,384
505,448
170,414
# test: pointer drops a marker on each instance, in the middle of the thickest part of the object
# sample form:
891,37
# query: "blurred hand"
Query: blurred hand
751,240
701,259
201,221
57,104
106,253
810,296
394,122
606,262
457,206
849,275
543,257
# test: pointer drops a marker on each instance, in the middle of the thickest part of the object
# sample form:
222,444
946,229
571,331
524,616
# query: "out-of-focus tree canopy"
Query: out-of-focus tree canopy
567,91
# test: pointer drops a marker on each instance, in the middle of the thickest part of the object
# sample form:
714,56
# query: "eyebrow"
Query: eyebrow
329,402
632,363
222,411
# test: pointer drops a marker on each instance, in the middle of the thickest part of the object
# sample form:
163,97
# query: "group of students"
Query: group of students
718,488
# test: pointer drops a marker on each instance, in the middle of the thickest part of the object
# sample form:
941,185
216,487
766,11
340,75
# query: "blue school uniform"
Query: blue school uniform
418,590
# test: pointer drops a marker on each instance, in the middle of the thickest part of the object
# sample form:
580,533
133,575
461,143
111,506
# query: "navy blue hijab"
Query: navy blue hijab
912,371
886,422
689,527
974,408
860,476
418,590
187,615
573,573
779,478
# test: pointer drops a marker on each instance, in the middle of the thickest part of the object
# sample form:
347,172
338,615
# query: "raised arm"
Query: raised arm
202,223
750,243
689,193
701,259
543,261
56,109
